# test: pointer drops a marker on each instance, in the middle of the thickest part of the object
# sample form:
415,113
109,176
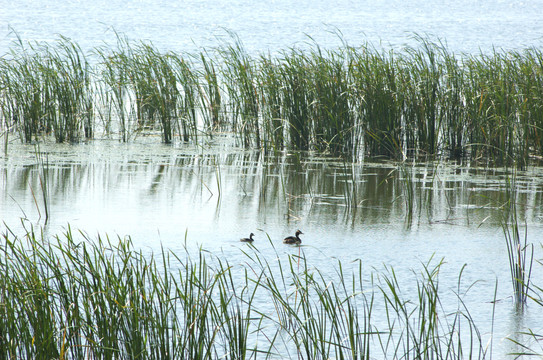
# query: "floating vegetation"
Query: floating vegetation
350,101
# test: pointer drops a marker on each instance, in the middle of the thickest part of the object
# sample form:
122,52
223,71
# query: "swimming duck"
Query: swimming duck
249,239
293,239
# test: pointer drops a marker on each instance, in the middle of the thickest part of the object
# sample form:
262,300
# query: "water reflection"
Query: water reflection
247,185
374,213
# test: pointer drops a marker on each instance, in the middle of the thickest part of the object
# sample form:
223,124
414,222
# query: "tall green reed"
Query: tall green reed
296,99
43,176
187,82
114,86
150,90
423,93
520,253
422,328
240,76
210,93
22,90
155,83
76,296
272,110
378,101
420,101
47,89
69,88
333,117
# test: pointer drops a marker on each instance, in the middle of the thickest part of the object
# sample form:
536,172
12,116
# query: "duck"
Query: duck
249,239
293,239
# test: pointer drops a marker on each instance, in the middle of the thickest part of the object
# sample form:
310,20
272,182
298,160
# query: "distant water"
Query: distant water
272,25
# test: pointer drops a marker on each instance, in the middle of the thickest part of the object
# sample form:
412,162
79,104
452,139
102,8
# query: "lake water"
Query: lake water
213,193
187,25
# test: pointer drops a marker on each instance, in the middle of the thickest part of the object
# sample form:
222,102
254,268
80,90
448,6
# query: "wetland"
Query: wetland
129,175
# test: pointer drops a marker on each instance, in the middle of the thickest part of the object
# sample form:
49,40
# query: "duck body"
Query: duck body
293,239
249,239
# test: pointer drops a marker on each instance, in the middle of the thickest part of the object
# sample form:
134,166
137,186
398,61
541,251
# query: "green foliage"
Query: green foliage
350,101
99,298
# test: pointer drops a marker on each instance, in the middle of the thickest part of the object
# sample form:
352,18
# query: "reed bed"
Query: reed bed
73,296
144,89
47,89
350,101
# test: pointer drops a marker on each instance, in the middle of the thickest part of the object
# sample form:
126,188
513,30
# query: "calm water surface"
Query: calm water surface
187,25
213,194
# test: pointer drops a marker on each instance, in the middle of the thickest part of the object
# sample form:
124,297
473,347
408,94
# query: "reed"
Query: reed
73,296
295,100
421,101
333,119
43,176
67,75
114,85
520,253
419,329
423,92
240,76
377,101
187,81
101,298
155,85
272,111
210,93
47,89
23,91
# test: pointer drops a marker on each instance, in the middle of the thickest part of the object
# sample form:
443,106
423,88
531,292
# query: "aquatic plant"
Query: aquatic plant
520,253
113,84
377,101
73,296
349,101
270,92
210,94
47,89
240,77
43,176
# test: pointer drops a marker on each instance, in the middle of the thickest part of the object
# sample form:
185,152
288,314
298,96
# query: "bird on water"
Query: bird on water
293,239
249,239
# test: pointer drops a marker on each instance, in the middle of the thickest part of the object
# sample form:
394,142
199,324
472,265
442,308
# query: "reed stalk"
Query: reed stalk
378,101
73,296
210,93
240,75
187,100
43,175
520,253
296,100
272,110
421,101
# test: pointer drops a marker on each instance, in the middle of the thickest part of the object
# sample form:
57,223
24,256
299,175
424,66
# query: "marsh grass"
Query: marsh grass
270,92
43,176
377,101
210,93
113,83
73,296
418,328
520,252
423,101
240,76
47,89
